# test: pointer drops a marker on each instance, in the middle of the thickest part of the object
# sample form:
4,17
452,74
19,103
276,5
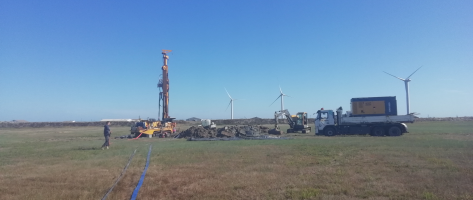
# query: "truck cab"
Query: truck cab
324,118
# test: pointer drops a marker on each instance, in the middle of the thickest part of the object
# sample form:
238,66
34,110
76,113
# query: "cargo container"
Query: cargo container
374,106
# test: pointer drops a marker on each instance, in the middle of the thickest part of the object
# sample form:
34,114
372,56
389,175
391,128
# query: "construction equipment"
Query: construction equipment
151,127
329,124
207,123
298,122
165,126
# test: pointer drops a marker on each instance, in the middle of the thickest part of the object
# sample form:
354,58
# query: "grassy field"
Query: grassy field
433,161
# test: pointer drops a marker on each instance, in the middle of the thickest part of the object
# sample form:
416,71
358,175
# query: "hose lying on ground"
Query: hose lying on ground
138,186
136,137
118,179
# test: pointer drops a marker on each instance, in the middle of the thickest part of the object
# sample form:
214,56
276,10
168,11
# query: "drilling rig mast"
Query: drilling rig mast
164,95
164,84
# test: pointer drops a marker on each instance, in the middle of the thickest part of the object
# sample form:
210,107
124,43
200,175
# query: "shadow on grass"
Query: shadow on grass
89,148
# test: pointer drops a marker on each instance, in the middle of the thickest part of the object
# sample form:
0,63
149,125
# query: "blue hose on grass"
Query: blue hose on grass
138,186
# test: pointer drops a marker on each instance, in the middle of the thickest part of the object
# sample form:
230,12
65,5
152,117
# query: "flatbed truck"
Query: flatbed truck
329,123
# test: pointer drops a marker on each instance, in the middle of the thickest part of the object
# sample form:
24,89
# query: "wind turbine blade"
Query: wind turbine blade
280,89
413,73
227,93
394,76
276,99
228,105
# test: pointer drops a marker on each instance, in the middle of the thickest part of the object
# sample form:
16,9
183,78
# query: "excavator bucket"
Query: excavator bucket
274,132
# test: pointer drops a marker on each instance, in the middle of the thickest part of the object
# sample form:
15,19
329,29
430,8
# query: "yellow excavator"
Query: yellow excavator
164,127
297,122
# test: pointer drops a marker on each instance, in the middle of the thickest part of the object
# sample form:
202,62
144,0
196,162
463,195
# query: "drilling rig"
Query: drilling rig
164,127
164,86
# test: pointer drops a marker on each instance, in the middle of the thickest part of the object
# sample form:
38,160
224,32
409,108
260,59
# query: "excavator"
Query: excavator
164,127
297,122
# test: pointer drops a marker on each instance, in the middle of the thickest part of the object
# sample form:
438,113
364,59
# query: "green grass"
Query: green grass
433,161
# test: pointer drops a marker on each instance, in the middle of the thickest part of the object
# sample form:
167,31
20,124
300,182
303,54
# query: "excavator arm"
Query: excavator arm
286,113
276,130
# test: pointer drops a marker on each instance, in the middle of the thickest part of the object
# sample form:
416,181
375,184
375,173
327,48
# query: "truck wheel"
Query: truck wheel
303,131
394,131
289,130
330,131
377,131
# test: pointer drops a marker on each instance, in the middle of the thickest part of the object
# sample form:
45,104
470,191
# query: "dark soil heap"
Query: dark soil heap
227,131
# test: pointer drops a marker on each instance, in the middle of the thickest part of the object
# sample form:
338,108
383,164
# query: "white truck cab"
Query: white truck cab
324,118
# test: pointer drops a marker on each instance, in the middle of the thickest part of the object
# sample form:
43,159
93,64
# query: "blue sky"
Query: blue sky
90,60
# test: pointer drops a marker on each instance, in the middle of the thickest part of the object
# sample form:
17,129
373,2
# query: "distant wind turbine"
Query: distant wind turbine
281,95
231,103
406,82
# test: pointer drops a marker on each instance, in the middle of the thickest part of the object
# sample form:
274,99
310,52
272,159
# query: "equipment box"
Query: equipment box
373,106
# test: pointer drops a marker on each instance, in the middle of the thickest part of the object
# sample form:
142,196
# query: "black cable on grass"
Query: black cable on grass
123,172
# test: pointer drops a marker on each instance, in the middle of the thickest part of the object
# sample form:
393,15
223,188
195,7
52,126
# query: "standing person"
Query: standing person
106,133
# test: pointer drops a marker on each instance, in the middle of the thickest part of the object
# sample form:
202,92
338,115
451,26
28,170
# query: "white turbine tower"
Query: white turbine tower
406,82
281,95
231,102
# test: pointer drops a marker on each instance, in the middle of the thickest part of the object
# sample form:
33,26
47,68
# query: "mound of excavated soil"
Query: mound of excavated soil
227,131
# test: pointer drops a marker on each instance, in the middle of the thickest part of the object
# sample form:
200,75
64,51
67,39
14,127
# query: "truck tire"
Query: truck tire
394,131
378,131
329,131
303,131
289,131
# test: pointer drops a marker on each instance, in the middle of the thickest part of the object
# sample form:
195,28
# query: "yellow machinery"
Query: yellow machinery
152,127
298,122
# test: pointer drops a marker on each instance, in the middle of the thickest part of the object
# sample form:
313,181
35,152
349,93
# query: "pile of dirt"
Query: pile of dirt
227,131
198,132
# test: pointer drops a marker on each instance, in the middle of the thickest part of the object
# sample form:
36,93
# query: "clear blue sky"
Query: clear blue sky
90,60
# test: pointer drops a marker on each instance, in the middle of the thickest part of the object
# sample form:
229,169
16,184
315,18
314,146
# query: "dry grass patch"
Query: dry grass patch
66,163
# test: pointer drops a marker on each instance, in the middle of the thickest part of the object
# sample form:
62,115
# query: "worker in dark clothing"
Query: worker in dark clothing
106,133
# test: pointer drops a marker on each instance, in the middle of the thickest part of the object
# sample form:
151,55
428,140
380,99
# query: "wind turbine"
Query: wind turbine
282,99
406,82
231,102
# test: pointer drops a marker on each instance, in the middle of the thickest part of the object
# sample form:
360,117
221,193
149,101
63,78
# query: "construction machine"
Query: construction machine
164,127
297,122
207,123
152,127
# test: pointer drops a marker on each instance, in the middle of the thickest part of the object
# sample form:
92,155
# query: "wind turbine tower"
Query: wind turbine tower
231,103
281,95
406,83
